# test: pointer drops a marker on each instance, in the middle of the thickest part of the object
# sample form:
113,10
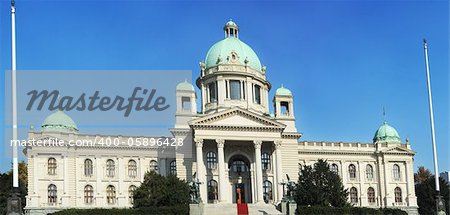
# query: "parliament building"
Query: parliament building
238,149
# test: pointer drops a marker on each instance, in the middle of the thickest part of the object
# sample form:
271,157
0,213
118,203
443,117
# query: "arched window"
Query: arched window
88,169
352,171
353,195
173,167
52,194
110,168
371,195
398,195
131,190
88,194
369,172
51,164
239,166
153,166
267,191
396,172
265,159
211,160
212,190
111,194
335,168
132,169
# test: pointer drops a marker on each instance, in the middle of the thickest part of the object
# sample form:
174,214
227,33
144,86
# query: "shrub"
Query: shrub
164,210
316,210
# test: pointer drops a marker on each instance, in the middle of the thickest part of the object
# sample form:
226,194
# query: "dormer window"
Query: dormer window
233,58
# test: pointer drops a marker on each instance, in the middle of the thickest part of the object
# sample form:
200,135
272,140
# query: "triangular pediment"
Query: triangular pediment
237,117
398,149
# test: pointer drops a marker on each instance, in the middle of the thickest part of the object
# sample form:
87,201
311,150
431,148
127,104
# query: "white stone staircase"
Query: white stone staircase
231,209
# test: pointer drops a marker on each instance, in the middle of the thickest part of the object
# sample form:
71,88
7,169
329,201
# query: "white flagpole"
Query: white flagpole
433,136
14,96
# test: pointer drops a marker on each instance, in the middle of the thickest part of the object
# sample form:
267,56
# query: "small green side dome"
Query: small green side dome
282,91
59,121
232,50
185,86
386,133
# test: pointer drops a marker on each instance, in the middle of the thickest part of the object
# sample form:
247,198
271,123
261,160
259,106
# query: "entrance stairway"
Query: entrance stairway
231,209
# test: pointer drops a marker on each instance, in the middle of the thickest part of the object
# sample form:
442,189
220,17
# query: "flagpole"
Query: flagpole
433,136
14,96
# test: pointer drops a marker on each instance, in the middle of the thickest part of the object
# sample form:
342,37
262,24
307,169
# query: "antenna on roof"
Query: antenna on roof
384,114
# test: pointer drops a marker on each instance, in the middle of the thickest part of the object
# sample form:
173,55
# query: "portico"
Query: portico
246,164
238,169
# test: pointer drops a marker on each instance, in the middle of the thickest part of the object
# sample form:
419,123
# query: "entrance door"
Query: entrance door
240,193
240,178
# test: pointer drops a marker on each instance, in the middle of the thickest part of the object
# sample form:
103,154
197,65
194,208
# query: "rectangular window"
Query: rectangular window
212,92
186,103
257,94
235,90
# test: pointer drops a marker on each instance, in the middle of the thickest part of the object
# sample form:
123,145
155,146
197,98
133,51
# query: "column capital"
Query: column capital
198,142
277,144
257,143
220,143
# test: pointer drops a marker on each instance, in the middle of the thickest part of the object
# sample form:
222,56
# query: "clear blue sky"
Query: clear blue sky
343,60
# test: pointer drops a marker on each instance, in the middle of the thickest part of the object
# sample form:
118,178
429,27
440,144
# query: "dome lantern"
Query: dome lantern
231,29
231,50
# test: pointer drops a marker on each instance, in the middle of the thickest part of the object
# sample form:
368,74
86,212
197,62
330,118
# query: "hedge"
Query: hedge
164,210
348,211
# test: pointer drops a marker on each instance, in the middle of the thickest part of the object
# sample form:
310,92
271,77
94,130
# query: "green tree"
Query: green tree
159,191
319,186
6,186
426,195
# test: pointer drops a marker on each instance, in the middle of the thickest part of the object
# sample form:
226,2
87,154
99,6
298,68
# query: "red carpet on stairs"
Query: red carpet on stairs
242,209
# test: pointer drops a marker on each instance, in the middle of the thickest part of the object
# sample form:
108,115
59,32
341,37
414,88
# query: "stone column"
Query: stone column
221,168
258,188
65,196
411,194
162,166
359,179
98,168
122,169
387,195
278,170
201,173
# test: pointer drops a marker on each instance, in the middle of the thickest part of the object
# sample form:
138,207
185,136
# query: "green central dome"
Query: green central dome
386,133
59,121
222,52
